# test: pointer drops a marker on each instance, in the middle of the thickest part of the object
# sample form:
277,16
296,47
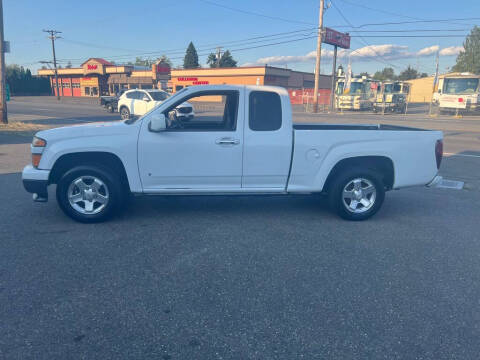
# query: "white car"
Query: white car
138,102
242,142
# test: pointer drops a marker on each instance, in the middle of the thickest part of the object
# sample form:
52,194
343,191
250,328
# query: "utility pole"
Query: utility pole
53,36
3,100
319,54
334,80
219,54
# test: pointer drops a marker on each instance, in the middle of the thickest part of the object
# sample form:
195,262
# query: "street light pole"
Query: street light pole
319,54
3,100
53,36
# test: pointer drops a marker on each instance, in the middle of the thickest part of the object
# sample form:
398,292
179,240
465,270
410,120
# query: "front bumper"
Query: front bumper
35,181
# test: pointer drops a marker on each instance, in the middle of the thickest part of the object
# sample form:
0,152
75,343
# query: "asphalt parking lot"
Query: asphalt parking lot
242,277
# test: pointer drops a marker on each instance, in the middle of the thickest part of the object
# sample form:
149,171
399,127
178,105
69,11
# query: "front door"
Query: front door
199,155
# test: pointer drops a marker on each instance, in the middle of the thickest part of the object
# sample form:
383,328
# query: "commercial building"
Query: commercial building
255,75
96,77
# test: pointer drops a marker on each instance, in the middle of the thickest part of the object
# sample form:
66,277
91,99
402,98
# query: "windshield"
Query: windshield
356,88
158,95
460,86
392,88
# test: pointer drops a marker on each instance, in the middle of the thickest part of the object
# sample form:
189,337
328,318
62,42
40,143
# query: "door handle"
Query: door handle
227,141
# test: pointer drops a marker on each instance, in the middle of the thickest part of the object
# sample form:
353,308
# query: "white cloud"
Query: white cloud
428,50
366,53
452,50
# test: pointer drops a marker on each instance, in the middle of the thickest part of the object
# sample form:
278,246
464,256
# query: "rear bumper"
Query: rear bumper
436,180
35,181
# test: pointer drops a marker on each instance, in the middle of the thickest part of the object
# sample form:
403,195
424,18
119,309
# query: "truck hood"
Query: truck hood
86,130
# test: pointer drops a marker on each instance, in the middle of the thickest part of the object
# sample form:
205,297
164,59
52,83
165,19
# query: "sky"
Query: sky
273,32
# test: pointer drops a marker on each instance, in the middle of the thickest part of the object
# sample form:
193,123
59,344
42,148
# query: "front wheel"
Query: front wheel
357,194
89,193
124,113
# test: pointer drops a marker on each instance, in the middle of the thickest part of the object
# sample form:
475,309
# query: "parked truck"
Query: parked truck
360,96
392,97
246,144
459,93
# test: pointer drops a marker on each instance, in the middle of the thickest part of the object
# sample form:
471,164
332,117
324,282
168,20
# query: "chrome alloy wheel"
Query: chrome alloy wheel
359,195
88,195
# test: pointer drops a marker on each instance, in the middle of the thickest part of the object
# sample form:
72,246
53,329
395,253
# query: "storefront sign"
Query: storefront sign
336,38
89,81
187,79
93,68
201,82
162,69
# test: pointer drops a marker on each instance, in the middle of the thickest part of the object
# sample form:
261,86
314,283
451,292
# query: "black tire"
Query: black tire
124,113
114,192
344,178
110,108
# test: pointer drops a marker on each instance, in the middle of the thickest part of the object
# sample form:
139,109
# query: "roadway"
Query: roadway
242,277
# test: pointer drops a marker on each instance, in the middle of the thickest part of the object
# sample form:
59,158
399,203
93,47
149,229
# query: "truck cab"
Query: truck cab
460,93
392,97
360,95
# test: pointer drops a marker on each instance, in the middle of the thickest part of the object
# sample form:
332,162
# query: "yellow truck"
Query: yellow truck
360,96
392,97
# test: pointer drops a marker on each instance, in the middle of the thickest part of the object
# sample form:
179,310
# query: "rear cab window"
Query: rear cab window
265,111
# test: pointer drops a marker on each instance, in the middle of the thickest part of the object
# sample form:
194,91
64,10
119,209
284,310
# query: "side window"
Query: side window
131,95
206,111
265,111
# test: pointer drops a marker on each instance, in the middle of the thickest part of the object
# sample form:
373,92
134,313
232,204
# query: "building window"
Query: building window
178,87
87,90
94,91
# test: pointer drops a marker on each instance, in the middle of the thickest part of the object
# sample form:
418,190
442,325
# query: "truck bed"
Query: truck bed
354,127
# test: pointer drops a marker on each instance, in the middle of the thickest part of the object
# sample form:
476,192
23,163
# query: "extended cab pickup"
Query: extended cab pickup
241,141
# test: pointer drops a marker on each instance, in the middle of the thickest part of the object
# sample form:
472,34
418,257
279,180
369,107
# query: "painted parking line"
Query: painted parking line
463,155
450,184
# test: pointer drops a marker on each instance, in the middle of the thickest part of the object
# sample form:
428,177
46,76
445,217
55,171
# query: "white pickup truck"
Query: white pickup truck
241,141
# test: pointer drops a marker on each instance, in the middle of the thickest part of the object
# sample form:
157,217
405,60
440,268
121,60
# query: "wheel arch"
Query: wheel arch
89,158
382,164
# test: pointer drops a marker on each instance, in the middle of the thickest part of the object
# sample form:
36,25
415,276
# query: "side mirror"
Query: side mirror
157,123
146,98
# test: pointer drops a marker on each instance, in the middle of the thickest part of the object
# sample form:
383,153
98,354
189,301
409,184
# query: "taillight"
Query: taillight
439,152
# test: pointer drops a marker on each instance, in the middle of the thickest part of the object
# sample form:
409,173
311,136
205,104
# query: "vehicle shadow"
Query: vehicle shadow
74,120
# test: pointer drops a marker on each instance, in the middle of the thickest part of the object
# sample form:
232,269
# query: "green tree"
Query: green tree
365,74
469,58
69,65
226,60
191,57
212,60
21,81
386,74
142,62
408,74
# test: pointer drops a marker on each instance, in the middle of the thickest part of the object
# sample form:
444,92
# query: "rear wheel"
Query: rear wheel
89,193
124,113
357,194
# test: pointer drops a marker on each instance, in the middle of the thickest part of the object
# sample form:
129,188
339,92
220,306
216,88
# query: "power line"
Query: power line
407,22
255,13
361,38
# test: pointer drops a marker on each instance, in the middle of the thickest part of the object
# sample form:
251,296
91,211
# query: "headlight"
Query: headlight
38,142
